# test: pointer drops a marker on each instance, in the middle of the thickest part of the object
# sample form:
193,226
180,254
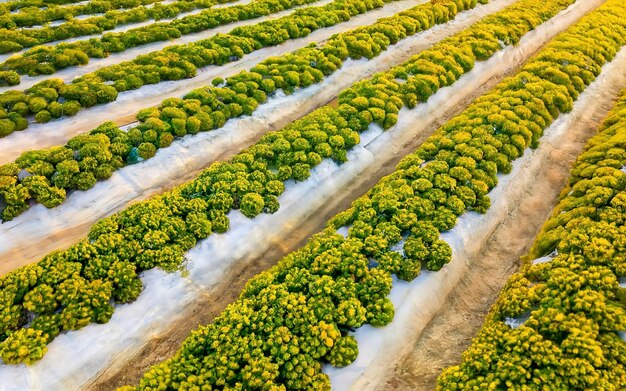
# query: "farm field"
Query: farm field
312,194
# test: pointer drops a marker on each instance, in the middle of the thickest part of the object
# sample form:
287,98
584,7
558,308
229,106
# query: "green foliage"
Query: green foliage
251,204
288,72
33,15
146,150
9,78
343,352
209,108
6,127
43,116
569,307
24,346
296,315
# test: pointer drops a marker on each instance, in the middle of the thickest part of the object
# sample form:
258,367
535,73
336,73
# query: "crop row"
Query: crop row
67,54
46,175
15,5
33,15
298,314
49,59
172,63
71,288
557,321
46,60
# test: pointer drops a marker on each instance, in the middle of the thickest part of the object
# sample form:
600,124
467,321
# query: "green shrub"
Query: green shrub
43,116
